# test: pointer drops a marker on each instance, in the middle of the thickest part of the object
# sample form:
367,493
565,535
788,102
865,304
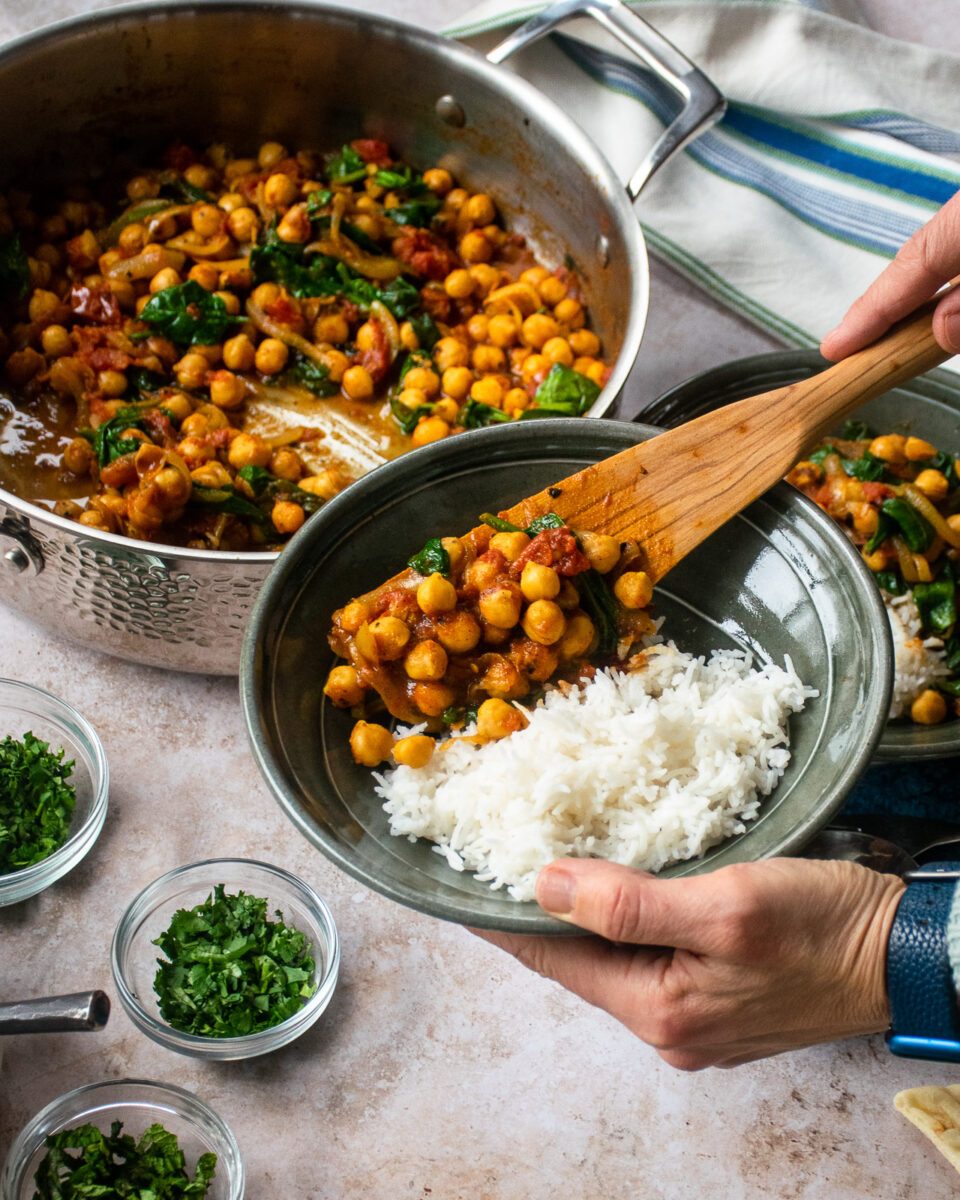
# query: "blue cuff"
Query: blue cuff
920,983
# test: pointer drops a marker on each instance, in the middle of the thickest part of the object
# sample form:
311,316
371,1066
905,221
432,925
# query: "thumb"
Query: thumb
946,321
625,905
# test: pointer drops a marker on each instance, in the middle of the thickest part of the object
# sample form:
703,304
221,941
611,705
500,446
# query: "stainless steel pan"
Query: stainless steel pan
86,90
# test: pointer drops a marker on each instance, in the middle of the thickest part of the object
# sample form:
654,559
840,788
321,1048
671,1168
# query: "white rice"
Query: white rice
918,661
645,768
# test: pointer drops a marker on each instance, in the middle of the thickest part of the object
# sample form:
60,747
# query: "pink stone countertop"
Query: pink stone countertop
441,1070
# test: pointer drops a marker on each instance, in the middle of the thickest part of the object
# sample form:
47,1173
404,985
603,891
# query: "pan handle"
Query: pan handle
703,103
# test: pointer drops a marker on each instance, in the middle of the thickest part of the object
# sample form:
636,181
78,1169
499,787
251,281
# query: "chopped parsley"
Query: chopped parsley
231,971
36,802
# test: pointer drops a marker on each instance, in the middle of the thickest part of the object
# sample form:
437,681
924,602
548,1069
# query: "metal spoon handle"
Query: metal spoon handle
56,1014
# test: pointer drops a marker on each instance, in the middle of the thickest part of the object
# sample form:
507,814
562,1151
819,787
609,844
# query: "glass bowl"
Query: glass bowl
134,957
23,709
138,1103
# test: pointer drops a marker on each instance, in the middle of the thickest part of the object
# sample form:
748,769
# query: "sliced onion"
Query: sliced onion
337,210
924,574
373,266
916,499
199,248
388,323
908,568
145,264
523,295
173,211
275,330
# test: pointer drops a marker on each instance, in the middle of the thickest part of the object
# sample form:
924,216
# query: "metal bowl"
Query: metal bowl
118,83
781,579
928,407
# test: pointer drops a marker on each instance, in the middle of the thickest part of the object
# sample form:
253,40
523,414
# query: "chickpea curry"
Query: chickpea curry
204,353
898,498
479,622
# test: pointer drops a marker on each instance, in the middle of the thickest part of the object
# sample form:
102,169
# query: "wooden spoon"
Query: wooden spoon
673,491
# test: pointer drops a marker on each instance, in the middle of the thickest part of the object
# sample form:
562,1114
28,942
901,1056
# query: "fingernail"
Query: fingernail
951,331
829,334
556,891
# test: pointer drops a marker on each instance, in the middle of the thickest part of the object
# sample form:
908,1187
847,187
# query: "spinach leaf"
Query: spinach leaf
318,200
431,558
946,464
187,192
475,415
143,382
400,296
886,527
85,1162
951,652
856,431
226,500
188,314
890,581
937,604
346,167
820,454
599,604
565,392
267,486
14,268
459,716
867,467
402,180
314,376
407,418
917,532
36,801
426,330
231,971
950,686
549,520
418,213
414,358
107,440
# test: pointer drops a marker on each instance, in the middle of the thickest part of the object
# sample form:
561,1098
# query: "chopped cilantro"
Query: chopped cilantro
36,802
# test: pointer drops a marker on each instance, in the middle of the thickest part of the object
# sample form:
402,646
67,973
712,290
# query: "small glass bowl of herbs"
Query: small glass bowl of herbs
53,789
226,959
124,1138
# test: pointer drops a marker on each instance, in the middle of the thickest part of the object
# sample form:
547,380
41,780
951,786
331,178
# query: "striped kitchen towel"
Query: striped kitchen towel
838,142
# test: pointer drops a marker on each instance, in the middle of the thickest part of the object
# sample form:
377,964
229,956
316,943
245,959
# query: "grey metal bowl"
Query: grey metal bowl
779,579
928,407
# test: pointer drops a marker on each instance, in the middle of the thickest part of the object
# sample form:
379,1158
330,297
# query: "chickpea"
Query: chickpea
408,337
954,522
343,687
557,350
537,329
333,328
336,363
231,201
932,483
271,356
266,294
458,284
929,708
438,180
485,278
634,589
478,210
243,224
280,191
412,398
510,545
353,615
568,597
211,354
598,372
456,198
370,744
206,220
432,697
426,661
602,550
422,377
916,449
78,456
487,391
390,636
111,383
165,278
447,410
326,484
880,559
357,383
49,254
497,719
238,353
248,450
534,368
544,622
367,336
570,312
552,290
488,358
56,341
455,552
890,447
141,187
23,364
295,226
286,464
457,632
271,153
539,582
578,637
201,177
476,247
287,516
230,301
503,679
212,474
503,330
429,429
501,605
515,401
478,327
194,426
55,228
450,352
226,389
415,751
436,595
43,306
456,382
191,370
483,573
238,167
865,520
584,343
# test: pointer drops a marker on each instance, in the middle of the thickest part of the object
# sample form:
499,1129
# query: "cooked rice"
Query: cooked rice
645,768
918,661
